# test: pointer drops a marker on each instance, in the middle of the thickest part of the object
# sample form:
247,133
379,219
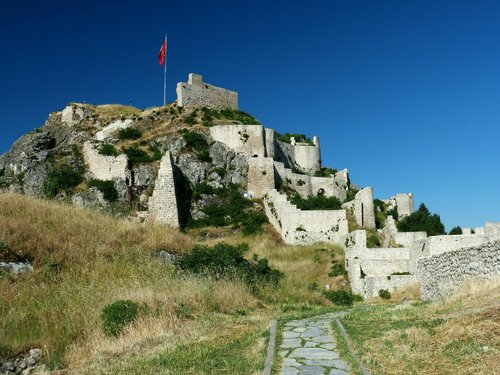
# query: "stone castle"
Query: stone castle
438,263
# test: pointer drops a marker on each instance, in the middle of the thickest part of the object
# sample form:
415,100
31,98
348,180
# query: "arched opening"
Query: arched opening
321,192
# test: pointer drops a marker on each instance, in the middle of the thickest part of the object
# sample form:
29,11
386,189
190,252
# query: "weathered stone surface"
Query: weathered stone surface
443,274
163,203
92,198
197,93
22,364
17,268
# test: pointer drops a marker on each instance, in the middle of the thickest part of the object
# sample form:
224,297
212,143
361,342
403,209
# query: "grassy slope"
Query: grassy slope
460,335
85,260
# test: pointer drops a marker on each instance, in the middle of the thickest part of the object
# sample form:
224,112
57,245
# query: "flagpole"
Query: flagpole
165,75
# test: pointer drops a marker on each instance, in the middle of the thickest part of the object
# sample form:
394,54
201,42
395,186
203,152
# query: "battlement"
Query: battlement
197,93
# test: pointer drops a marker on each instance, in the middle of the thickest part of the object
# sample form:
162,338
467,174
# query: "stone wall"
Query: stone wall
307,186
307,157
248,140
270,137
370,270
109,130
105,167
435,245
443,274
362,208
300,227
260,176
163,203
197,93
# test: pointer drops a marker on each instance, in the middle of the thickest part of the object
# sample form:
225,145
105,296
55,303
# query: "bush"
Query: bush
372,240
351,194
422,220
455,230
108,150
62,179
325,172
230,209
196,142
384,293
319,202
337,269
107,188
340,297
129,133
224,260
286,138
116,316
138,155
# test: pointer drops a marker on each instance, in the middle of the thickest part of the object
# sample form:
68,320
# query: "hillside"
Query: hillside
85,260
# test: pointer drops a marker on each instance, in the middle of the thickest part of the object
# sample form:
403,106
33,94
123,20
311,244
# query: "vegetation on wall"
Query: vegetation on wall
129,133
325,172
107,149
422,220
231,208
197,143
319,202
300,138
106,187
137,155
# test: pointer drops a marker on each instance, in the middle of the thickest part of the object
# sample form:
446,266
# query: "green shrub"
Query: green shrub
138,155
384,293
129,133
455,230
224,260
191,118
108,150
116,316
286,138
194,140
339,297
61,179
422,220
394,213
319,202
351,194
231,208
107,188
372,240
337,269
325,172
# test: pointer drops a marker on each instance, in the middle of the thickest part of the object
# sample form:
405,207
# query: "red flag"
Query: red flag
162,53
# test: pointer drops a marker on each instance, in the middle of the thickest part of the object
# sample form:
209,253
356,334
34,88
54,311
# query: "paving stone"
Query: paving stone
289,371
313,353
323,362
290,362
310,344
300,329
328,346
312,370
323,339
313,332
337,372
290,335
291,343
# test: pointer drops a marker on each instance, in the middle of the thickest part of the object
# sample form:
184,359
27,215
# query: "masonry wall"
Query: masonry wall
307,186
109,130
300,227
163,203
197,93
260,176
435,245
307,158
270,137
105,167
362,208
443,274
245,139
404,204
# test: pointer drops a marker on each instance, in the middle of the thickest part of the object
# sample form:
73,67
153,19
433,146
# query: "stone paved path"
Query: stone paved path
308,348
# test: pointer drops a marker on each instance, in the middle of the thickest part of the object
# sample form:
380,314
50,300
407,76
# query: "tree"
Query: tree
455,230
422,220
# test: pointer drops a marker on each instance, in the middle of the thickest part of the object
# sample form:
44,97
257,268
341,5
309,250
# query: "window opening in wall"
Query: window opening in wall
321,191
362,215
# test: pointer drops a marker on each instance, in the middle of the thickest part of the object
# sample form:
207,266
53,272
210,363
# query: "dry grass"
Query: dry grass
460,335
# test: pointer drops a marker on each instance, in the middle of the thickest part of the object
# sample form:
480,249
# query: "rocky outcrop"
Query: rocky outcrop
22,364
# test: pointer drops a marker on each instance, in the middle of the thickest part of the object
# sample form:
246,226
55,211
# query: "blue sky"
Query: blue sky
405,94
